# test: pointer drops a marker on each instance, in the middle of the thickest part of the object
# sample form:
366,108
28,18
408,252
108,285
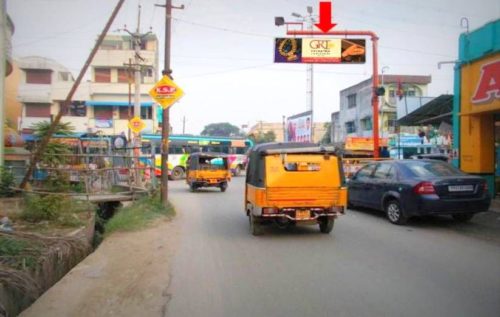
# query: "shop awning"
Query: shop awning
434,112
115,103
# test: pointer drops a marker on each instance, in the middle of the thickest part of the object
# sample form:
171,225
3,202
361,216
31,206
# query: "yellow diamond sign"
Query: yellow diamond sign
166,92
136,124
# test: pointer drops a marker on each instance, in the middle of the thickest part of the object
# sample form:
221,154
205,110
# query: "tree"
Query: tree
327,138
260,137
55,151
221,129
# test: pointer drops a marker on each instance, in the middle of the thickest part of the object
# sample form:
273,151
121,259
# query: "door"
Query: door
360,184
383,179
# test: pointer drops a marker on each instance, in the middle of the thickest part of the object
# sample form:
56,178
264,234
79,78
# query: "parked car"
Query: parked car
439,157
406,188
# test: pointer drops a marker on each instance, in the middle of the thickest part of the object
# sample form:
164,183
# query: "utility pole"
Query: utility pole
137,38
3,52
165,125
43,144
184,125
310,20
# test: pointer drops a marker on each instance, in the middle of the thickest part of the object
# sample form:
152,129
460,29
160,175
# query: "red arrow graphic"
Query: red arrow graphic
325,17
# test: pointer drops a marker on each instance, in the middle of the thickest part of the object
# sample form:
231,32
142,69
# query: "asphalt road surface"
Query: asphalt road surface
365,267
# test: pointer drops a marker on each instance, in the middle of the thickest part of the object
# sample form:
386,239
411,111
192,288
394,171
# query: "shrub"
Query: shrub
6,181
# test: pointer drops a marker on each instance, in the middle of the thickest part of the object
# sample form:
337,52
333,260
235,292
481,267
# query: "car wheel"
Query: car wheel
326,225
223,186
255,226
395,212
462,217
177,173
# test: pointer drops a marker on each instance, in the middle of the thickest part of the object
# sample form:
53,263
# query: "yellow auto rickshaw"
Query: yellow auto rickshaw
294,183
207,170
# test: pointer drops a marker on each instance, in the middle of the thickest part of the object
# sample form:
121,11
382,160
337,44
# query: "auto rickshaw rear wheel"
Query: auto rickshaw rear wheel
193,187
326,224
223,186
255,227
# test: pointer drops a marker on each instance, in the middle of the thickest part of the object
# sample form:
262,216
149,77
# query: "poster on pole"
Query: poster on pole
299,127
319,50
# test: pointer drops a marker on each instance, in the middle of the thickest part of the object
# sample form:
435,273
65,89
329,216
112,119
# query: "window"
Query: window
40,110
103,113
351,101
102,75
365,172
65,76
350,127
390,123
39,76
124,75
366,123
123,112
392,93
75,109
411,93
383,171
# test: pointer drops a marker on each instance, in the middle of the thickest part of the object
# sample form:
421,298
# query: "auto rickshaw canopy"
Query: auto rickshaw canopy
256,165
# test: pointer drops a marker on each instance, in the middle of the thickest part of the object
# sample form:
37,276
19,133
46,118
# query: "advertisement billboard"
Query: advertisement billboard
319,50
299,127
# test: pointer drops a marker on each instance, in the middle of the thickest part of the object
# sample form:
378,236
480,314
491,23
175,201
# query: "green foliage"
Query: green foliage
260,137
57,208
20,253
6,181
326,139
57,182
221,129
54,151
138,215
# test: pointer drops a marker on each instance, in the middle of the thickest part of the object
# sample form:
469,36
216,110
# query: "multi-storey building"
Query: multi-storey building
100,104
355,115
278,129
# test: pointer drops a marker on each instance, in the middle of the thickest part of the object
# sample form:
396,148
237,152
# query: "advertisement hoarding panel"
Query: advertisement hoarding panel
299,127
319,50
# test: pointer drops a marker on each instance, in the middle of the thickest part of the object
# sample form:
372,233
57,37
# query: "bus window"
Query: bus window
241,150
225,149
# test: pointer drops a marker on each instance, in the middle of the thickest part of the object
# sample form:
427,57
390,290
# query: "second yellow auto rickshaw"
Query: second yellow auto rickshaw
294,183
207,170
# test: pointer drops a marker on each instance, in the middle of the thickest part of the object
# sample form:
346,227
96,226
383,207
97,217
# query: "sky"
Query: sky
222,50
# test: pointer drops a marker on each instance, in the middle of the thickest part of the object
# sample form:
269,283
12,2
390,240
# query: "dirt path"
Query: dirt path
128,275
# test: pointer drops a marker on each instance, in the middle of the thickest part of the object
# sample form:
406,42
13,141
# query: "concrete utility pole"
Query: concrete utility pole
165,125
43,144
3,60
309,20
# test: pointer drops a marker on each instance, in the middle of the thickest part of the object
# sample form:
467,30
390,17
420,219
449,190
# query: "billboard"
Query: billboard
299,127
319,50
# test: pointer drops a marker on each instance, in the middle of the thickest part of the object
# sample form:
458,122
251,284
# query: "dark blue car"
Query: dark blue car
406,188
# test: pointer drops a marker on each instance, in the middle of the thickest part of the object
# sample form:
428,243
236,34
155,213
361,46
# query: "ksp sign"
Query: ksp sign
166,92
136,124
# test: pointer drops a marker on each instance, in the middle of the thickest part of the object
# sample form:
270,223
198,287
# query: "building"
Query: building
355,115
100,104
108,105
476,104
44,84
279,129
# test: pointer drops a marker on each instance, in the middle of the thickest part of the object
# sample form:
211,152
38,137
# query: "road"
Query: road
365,267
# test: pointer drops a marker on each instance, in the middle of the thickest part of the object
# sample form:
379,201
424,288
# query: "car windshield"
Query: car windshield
432,169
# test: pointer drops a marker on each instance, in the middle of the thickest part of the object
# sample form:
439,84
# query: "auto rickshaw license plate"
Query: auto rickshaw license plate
302,214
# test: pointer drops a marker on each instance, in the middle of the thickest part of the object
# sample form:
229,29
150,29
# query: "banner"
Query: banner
319,50
299,127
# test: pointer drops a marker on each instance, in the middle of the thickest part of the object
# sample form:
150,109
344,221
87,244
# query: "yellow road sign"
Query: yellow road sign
136,124
166,92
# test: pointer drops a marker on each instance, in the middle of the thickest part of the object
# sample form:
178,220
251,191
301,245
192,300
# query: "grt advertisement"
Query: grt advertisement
299,127
319,50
